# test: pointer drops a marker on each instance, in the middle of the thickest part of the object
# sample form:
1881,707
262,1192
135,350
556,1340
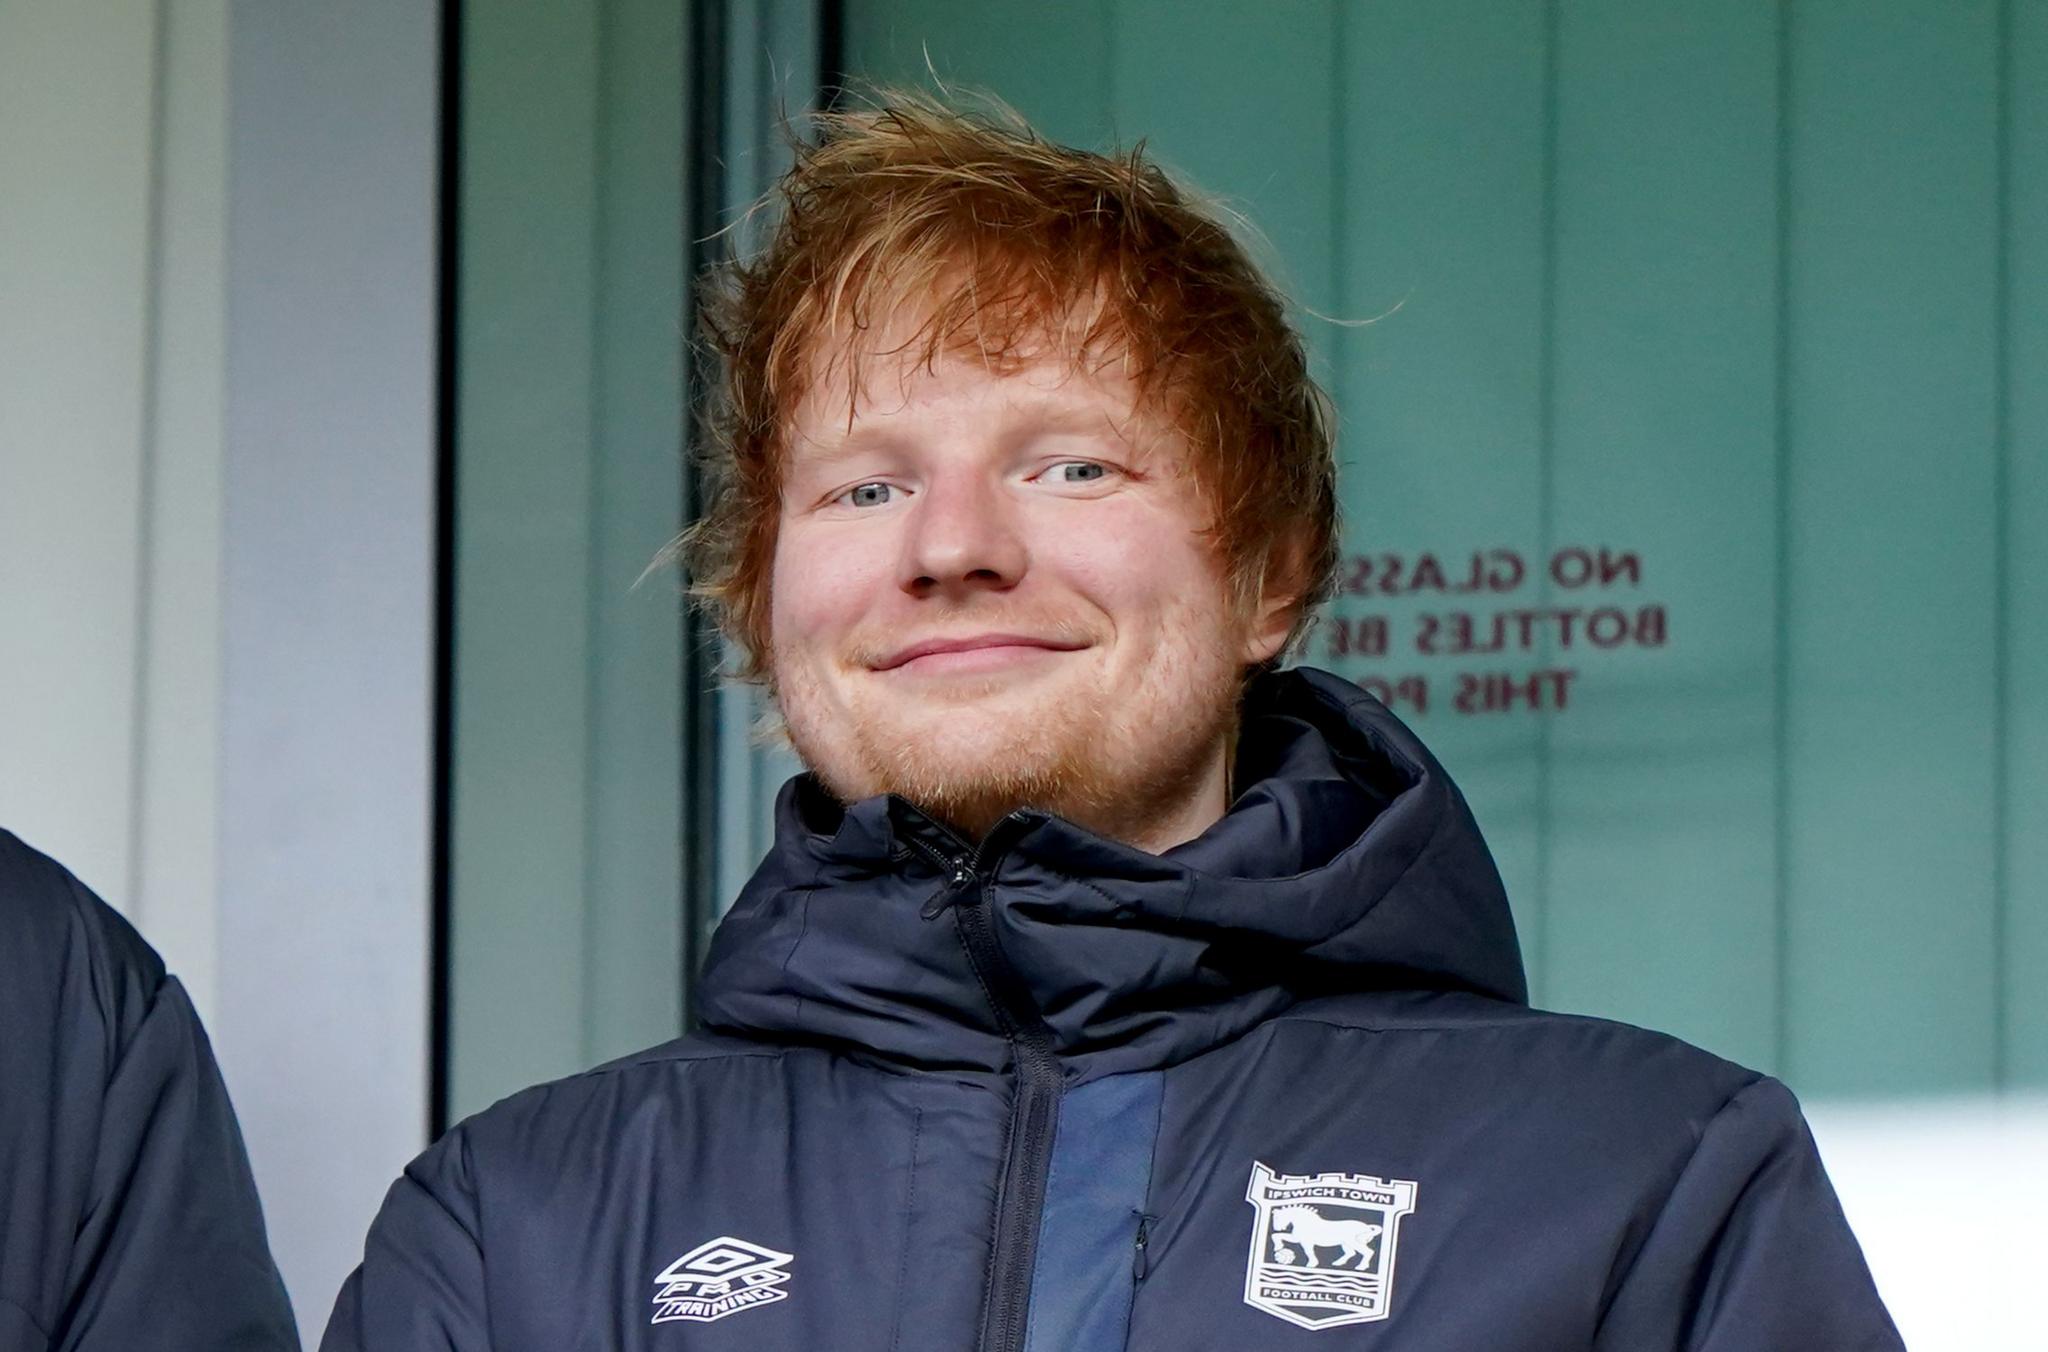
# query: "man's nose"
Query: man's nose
963,538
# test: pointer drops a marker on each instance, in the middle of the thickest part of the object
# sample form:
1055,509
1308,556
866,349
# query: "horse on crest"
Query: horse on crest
1306,1230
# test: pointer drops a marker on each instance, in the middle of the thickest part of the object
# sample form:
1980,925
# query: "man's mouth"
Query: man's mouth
973,653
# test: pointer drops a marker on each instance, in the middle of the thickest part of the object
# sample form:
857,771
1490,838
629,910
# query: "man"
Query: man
128,1218
1105,987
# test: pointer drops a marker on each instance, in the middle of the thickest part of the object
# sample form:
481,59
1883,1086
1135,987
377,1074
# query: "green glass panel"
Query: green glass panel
565,894
522,531
1441,191
1891,549
1624,299
1662,885
1048,60
1236,100
632,904
2026,563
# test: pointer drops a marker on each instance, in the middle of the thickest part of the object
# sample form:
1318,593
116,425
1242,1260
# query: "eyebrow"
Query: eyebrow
1041,413
1062,417
812,451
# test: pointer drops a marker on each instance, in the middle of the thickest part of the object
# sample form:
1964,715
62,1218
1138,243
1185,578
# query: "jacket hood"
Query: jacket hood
1349,861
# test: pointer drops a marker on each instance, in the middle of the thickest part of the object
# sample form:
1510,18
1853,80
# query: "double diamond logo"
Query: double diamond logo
719,1277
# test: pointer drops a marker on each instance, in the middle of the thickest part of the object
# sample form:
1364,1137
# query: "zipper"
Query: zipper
1033,1112
1139,1263
1035,1068
963,864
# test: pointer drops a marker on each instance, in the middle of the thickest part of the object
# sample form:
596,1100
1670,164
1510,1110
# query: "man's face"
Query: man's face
993,591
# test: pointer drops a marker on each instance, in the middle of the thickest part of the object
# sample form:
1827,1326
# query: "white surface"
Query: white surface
1949,1200
76,125
176,883
113,137
326,769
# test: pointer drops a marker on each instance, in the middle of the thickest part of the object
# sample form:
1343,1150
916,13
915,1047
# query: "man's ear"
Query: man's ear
1270,617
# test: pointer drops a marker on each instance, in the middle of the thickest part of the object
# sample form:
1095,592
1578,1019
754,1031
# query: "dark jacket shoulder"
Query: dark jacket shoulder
1596,1051
65,950
130,1214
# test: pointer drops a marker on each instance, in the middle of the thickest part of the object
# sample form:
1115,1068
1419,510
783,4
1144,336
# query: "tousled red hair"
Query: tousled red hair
1008,247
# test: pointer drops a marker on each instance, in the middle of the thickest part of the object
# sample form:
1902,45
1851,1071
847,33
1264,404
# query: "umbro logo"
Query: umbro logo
720,1277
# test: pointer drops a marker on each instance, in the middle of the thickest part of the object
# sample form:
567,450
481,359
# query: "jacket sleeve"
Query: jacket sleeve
1751,1252
420,1287
172,1251
128,1216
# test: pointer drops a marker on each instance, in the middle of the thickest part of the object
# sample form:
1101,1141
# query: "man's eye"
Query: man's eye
867,495
1076,472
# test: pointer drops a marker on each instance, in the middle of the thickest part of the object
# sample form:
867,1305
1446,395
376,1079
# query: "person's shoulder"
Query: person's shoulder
1597,1061
62,947
674,1081
648,1070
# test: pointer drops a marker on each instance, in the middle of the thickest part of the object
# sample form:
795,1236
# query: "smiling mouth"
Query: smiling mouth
980,653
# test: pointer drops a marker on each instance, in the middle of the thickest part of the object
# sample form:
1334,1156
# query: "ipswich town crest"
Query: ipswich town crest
1323,1246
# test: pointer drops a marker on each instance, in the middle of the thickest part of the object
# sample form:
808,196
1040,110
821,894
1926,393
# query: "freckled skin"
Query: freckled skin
1037,504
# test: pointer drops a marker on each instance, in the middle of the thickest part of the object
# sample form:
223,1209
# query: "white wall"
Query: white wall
1947,1198
327,605
217,344
111,205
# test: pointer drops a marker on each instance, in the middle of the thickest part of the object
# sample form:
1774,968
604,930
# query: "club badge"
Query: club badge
1323,1246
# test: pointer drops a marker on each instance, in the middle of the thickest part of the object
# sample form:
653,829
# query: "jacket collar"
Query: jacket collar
1349,862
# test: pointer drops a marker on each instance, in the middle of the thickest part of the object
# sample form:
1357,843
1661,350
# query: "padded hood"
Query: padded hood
1349,861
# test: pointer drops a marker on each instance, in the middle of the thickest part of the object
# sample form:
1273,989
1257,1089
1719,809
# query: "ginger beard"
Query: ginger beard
1119,761
979,525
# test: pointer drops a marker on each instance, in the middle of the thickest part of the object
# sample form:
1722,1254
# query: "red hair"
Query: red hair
1007,246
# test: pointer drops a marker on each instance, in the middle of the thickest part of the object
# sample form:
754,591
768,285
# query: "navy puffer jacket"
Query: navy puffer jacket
128,1215
1278,1087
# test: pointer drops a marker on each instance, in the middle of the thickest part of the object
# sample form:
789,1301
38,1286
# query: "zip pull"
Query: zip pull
1138,1258
962,878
